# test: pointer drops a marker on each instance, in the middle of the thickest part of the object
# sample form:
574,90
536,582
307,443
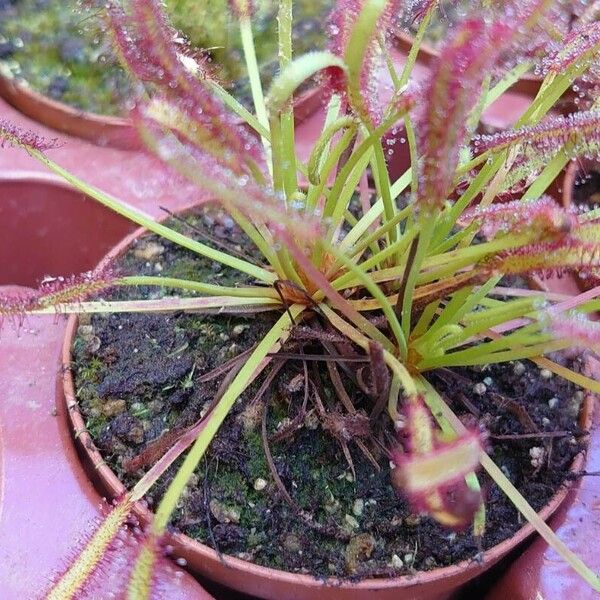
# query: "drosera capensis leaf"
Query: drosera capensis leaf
70,583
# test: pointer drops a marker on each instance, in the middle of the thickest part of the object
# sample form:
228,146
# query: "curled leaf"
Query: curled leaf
299,71
431,471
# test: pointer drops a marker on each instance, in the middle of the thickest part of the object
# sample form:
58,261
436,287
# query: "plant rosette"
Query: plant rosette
276,584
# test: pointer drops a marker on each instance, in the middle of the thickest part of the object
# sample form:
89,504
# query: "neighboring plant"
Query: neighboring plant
57,48
410,289
213,28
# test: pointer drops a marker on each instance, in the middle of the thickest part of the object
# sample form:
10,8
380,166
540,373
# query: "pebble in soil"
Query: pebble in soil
137,377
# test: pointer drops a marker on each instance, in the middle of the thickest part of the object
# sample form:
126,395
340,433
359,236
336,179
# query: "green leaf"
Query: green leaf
295,74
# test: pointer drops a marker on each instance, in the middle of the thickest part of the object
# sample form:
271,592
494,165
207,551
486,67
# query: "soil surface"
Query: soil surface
311,508
59,48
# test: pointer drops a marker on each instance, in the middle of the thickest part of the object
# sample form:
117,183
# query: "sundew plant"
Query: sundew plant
410,286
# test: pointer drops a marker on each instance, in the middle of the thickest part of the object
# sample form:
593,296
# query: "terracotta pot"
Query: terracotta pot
274,584
116,132
52,228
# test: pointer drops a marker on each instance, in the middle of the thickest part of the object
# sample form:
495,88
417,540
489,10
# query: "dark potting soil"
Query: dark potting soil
139,377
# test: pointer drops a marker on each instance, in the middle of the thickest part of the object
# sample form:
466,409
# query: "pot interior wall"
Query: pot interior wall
48,229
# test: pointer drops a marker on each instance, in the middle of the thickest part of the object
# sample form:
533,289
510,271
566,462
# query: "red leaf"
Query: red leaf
543,216
452,92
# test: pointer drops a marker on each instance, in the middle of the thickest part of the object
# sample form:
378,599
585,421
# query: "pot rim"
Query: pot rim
184,545
26,176
23,88
105,130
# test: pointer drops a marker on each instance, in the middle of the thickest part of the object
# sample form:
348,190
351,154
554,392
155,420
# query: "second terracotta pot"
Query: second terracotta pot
115,132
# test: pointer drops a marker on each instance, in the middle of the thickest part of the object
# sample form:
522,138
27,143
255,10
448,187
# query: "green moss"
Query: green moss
228,485
256,464
198,270
96,423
